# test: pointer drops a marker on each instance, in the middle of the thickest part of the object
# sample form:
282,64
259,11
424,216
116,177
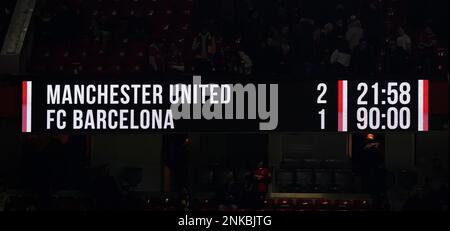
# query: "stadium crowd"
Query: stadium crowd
360,38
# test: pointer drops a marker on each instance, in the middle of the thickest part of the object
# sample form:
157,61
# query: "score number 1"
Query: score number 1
322,88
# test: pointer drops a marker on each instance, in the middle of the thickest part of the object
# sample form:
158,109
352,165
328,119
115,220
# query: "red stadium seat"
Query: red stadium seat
361,205
305,205
62,57
61,51
114,65
137,53
162,4
78,55
133,8
207,205
185,4
135,65
343,205
119,53
285,205
137,48
136,3
170,204
75,4
95,65
43,53
153,204
269,205
43,57
93,7
149,13
162,21
323,205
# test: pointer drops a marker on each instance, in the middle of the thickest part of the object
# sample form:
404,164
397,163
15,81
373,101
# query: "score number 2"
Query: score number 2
322,88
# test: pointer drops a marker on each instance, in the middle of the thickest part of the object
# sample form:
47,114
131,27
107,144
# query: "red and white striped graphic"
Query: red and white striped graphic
26,106
423,106
342,105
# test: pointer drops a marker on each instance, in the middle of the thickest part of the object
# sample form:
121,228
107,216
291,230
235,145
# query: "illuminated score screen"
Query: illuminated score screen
357,106
330,106
381,106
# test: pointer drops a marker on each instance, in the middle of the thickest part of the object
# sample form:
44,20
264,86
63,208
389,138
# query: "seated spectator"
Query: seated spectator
354,34
105,27
263,178
156,58
222,51
373,23
45,24
363,59
427,44
228,196
204,48
339,29
267,57
175,58
394,59
246,63
427,39
5,15
328,37
186,200
341,57
324,43
285,47
404,41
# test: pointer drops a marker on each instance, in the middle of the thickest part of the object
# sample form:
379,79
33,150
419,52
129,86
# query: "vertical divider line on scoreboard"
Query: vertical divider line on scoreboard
422,106
342,105
29,104
26,106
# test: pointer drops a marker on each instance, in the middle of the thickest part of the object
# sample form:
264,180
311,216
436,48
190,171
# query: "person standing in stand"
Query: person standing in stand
204,48
186,200
263,177
373,170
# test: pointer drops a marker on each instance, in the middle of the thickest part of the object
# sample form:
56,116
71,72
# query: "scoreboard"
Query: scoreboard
376,106
287,106
356,106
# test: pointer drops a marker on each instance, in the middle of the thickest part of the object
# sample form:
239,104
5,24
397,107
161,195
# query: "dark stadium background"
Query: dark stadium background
248,40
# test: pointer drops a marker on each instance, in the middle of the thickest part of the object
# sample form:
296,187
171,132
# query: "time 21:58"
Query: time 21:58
393,94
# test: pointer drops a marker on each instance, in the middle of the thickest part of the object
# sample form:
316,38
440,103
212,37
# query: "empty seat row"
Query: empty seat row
60,58
171,203
320,204
180,15
94,68
321,180
271,204
52,5
111,45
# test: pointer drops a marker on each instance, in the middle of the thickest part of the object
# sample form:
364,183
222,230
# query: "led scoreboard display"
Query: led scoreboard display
284,106
377,106
355,106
